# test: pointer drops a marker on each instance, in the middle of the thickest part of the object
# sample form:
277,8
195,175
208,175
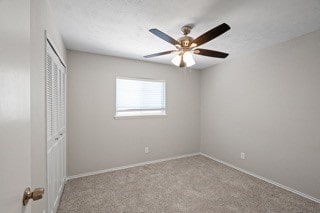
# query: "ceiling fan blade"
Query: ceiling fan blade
164,36
158,54
210,53
211,34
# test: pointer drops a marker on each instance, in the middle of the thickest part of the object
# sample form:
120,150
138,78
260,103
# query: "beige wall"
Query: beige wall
41,20
96,141
267,105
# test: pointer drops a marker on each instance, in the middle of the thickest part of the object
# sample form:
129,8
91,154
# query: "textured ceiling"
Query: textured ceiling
120,27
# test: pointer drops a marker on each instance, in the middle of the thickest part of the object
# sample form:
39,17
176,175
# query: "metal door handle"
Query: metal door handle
37,194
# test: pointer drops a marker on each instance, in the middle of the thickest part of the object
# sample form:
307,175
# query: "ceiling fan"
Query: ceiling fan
187,45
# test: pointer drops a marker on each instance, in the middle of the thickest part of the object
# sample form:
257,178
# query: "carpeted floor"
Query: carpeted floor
193,184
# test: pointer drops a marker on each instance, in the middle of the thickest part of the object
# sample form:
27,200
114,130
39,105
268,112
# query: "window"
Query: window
140,97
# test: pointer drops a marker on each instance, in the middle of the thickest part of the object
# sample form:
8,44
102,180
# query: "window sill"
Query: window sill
120,117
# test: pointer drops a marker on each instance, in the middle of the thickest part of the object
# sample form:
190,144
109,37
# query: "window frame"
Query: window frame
149,113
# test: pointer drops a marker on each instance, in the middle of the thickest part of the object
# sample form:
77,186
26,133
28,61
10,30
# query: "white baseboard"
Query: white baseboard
264,179
193,154
131,166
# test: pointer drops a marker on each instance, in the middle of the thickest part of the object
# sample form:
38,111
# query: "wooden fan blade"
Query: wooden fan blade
211,34
164,36
210,53
158,54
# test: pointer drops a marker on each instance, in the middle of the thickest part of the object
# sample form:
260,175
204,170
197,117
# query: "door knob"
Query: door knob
37,194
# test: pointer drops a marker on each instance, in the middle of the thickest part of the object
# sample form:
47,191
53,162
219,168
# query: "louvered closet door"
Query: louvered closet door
56,128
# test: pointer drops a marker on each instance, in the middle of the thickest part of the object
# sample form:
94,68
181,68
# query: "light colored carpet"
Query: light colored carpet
193,184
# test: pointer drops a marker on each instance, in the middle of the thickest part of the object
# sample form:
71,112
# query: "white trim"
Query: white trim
193,154
121,117
140,113
140,79
264,179
60,195
50,44
131,166
54,47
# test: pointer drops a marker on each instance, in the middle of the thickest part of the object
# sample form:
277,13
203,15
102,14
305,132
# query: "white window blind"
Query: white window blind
138,97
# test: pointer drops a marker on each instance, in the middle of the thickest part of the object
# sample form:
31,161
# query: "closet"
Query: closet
56,126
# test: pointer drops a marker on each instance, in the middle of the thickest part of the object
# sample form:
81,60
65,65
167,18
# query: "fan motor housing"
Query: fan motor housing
185,41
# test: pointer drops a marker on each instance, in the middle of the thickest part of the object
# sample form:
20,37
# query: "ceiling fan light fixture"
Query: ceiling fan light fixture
187,59
176,60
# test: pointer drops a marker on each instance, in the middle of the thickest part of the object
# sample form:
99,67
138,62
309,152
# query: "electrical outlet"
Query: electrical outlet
243,155
146,150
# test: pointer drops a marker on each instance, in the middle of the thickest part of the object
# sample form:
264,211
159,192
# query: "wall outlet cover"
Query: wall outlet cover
243,155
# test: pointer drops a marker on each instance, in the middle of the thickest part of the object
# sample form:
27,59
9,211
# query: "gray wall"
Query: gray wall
96,141
41,20
267,105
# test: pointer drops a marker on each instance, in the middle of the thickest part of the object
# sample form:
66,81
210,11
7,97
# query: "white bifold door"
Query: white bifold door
56,127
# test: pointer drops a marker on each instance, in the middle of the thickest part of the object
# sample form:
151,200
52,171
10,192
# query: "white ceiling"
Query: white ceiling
120,27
